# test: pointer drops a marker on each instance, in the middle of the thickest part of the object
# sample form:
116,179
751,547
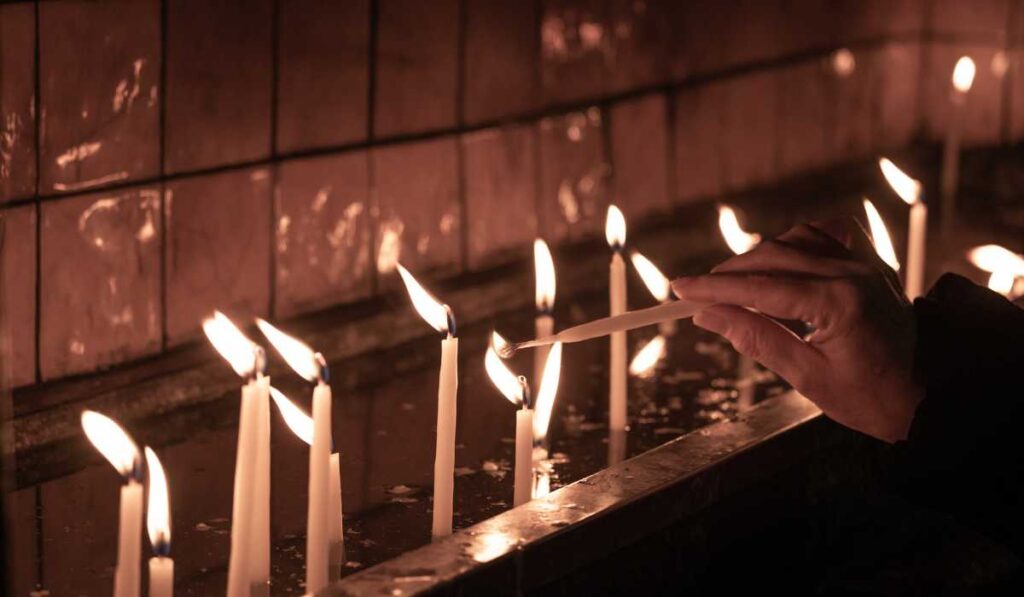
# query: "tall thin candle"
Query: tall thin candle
962,80
158,524
517,390
121,451
544,272
247,359
440,317
312,367
909,190
615,232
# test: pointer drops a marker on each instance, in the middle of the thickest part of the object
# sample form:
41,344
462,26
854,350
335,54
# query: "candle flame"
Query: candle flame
299,422
739,240
544,271
548,391
994,258
158,509
300,357
880,236
501,376
111,440
1001,282
644,362
615,228
655,281
238,350
906,187
963,74
433,311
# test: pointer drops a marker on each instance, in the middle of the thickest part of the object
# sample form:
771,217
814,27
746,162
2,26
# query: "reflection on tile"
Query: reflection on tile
218,83
803,104
595,47
100,108
322,233
324,65
501,206
218,248
573,175
21,540
982,113
984,21
100,297
639,156
17,96
416,66
749,131
420,218
18,292
501,59
698,141
80,531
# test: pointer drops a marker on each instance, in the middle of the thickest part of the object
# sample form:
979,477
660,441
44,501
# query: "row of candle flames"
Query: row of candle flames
249,562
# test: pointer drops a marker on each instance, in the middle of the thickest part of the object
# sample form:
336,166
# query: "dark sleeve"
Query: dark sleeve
965,450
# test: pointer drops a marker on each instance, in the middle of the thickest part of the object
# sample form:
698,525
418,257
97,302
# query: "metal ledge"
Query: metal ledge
545,540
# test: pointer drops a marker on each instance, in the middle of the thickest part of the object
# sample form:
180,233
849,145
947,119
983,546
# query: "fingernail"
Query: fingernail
679,286
709,320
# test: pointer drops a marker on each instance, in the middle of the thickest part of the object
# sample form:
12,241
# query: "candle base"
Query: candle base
616,446
337,561
259,589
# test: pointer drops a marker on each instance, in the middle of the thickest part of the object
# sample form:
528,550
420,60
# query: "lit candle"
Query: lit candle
312,367
1004,265
630,320
739,240
647,358
544,405
518,392
962,79
909,190
247,359
158,523
544,272
880,236
658,285
440,317
302,426
615,233
122,453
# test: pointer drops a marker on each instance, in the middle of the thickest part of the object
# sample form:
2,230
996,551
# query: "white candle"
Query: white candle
963,78
916,249
158,523
161,576
444,455
615,233
239,573
630,320
524,456
909,190
259,569
129,544
544,298
616,446
440,317
317,517
544,326
617,366
336,532
247,359
121,452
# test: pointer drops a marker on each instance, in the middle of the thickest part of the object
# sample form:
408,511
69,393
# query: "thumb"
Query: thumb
764,340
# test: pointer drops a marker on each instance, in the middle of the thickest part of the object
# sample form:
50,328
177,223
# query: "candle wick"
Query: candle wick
450,315
527,396
323,373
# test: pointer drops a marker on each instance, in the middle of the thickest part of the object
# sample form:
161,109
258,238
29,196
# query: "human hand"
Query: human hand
857,365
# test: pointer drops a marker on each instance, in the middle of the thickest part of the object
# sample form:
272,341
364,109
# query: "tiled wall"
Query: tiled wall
161,158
